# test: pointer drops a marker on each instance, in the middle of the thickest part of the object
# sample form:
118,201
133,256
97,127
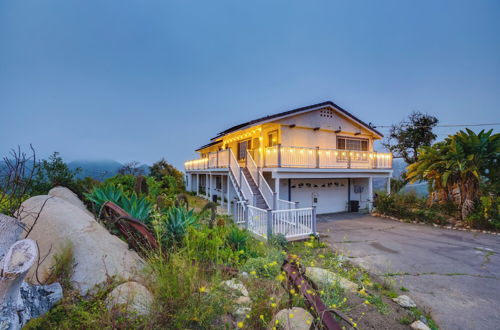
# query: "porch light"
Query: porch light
291,150
336,153
343,154
310,152
260,138
319,152
267,150
328,153
301,151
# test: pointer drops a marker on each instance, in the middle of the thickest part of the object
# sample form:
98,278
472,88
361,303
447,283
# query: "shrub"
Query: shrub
279,241
237,238
267,266
172,225
209,245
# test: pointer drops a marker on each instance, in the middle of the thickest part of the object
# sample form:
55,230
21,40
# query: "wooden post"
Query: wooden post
275,201
348,159
388,185
317,157
279,155
314,219
269,223
228,195
245,214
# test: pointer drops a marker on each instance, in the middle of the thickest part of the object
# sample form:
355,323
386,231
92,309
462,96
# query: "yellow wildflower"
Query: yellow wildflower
366,302
261,317
253,272
292,291
321,256
280,277
203,289
273,305
241,325
291,315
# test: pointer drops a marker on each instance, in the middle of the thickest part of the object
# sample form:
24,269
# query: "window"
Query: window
352,144
272,138
218,182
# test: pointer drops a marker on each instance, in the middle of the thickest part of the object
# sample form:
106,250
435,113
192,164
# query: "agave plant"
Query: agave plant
137,207
101,195
175,222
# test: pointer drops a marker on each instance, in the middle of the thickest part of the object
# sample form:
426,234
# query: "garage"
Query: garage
329,195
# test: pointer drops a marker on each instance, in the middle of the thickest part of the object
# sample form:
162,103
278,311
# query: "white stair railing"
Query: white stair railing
294,223
285,205
264,188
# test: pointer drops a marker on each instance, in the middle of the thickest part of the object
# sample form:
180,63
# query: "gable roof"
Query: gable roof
295,111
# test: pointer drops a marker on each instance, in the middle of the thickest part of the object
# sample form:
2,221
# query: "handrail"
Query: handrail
264,188
285,205
252,168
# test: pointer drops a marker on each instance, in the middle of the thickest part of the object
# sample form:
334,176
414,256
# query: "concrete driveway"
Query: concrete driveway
454,273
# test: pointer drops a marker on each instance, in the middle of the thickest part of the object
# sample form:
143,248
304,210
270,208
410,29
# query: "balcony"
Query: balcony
299,157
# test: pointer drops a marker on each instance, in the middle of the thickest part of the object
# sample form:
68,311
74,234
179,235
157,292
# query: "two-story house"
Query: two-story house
314,159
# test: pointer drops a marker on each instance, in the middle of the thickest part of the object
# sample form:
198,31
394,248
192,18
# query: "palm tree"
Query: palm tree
464,160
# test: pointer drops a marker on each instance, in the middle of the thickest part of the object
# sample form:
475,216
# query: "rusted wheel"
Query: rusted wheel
134,231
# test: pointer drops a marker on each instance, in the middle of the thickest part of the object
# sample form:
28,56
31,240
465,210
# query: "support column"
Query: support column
276,194
228,195
370,193
197,184
207,186
388,185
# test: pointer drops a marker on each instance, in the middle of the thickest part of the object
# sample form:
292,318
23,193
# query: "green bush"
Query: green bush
172,225
266,266
409,206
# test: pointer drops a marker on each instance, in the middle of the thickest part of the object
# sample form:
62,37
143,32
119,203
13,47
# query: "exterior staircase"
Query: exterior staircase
260,202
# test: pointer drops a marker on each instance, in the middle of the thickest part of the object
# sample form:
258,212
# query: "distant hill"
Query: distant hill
97,169
398,167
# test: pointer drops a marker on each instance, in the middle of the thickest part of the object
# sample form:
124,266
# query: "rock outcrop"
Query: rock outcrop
97,254
295,318
69,196
135,298
323,277
405,301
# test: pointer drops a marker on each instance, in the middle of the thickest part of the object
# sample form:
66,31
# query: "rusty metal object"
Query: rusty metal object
134,231
305,287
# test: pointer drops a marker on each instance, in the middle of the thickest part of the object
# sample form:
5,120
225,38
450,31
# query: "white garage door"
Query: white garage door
330,194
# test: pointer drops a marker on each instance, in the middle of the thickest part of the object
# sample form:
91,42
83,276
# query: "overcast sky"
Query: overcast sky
142,80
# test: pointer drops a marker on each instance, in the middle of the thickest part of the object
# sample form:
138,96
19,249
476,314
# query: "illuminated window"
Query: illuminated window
272,138
352,144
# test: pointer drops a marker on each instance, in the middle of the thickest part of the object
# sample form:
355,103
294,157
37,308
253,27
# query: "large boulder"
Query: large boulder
69,196
325,278
133,297
98,254
295,318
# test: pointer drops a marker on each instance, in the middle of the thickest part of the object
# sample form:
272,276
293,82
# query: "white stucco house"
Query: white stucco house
275,173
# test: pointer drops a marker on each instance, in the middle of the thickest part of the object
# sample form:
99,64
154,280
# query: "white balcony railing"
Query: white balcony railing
300,157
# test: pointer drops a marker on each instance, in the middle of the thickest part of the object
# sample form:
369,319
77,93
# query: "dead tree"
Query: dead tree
18,260
16,177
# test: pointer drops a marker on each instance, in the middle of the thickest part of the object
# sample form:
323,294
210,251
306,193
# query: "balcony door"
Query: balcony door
243,146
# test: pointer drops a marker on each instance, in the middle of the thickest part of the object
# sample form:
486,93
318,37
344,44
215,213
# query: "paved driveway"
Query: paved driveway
454,273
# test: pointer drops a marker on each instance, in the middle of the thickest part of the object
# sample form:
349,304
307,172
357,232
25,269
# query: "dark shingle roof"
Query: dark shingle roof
208,145
291,112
